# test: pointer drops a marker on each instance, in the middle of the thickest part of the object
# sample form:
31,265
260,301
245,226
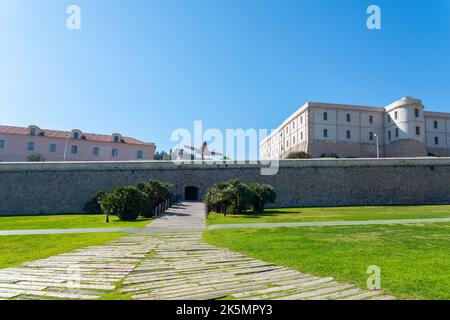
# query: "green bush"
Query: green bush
234,196
125,202
261,195
93,205
298,155
331,155
157,192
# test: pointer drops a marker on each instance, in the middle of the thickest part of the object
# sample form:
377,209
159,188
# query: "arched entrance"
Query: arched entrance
191,193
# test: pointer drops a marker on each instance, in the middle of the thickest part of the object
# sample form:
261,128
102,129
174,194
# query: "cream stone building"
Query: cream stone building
402,128
17,143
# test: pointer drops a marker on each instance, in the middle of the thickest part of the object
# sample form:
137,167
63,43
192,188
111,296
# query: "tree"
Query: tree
125,202
238,194
157,192
93,205
261,194
162,156
232,195
298,155
36,157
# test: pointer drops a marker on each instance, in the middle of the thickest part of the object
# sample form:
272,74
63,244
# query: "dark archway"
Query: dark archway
191,193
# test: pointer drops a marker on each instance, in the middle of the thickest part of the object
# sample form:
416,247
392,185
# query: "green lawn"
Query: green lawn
414,259
335,214
72,221
15,250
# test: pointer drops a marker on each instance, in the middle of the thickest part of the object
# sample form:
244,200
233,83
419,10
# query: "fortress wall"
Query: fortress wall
34,188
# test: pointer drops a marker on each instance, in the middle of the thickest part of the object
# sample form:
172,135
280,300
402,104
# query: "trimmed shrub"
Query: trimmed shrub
331,155
261,195
93,205
157,192
125,202
298,155
236,197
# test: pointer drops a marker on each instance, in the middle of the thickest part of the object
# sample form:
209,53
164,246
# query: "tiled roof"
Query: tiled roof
64,134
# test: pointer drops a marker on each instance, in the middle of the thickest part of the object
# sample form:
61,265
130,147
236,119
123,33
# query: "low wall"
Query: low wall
34,188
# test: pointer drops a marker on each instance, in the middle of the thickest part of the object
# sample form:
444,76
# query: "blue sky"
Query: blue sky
146,67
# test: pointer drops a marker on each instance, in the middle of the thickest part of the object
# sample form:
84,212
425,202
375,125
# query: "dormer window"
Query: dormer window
117,137
76,134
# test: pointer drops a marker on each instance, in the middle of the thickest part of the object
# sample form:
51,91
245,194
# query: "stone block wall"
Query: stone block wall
51,188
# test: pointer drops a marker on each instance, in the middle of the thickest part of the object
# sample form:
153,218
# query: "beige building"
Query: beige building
402,128
17,143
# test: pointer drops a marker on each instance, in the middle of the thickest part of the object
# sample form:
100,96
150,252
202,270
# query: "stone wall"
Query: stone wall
33,188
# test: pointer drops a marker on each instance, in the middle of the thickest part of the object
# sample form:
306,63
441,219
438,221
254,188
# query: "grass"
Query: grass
414,259
15,250
334,214
67,221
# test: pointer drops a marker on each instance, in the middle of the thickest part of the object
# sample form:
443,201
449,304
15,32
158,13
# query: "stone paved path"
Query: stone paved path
80,274
163,265
182,266
181,217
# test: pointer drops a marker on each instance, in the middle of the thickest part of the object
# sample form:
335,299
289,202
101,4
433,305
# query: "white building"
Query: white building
402,128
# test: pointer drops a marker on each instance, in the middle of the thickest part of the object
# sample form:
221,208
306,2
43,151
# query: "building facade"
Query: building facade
17,143
402,129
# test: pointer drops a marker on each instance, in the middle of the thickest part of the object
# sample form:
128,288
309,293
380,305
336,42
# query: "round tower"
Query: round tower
405,128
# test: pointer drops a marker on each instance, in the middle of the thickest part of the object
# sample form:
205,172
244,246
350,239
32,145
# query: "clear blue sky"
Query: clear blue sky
146,67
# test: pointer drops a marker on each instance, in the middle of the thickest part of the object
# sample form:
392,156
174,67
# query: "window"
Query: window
416,111
348,117
325,116
388,118
396,115
53,147
293,141
348,134
435,124
396,132
96,151
418,131
371,119
2,144
301,120
301,135
325,133
33,131
30,146
76,135
115,152
436,140
293,125
74,150
139,154
389,135
370,135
